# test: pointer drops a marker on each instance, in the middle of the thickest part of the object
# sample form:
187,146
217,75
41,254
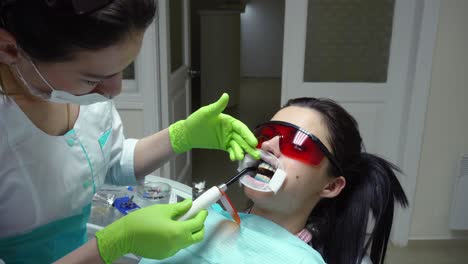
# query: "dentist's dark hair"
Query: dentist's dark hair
48,35
339,224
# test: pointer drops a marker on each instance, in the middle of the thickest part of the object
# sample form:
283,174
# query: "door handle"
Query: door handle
193,73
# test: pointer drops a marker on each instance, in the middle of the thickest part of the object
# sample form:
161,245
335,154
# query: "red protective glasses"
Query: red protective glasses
295,142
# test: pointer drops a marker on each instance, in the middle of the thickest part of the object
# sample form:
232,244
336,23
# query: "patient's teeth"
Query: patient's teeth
262,178
267,166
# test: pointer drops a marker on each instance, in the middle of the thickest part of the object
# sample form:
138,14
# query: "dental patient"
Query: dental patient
317,209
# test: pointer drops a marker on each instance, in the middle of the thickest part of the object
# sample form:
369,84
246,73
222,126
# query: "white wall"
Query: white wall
446,129
262,38
133,123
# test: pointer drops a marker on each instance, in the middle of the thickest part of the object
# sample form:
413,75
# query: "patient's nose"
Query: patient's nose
272,146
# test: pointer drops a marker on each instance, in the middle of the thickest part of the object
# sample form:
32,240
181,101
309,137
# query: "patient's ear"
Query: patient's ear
8,48
333,188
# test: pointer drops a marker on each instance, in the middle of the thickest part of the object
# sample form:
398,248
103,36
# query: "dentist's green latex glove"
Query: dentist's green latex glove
151,232
209,128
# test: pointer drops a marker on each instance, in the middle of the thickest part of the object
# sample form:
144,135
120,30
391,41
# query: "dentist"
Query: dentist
61,138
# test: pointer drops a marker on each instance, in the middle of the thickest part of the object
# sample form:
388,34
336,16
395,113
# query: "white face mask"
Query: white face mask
58,96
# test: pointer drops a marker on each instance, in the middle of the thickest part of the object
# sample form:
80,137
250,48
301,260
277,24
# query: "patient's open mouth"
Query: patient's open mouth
268,176
265,172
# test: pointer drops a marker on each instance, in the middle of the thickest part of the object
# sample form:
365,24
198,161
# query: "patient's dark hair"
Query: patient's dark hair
339,224
50,35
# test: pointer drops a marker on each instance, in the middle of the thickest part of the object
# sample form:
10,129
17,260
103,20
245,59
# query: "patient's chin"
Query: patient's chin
257,195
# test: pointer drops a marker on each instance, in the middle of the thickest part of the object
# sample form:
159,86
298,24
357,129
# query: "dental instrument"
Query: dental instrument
215,194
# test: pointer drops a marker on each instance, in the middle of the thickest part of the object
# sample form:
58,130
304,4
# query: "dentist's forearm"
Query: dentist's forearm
88,253
152,152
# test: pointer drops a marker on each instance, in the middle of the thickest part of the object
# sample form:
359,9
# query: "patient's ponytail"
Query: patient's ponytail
381,190
339,224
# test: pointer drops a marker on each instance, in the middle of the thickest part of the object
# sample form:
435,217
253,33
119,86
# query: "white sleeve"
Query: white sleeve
121,171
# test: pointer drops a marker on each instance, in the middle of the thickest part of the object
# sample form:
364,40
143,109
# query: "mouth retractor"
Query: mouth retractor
269,176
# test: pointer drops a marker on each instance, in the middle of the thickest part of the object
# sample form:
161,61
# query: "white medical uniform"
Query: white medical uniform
47,182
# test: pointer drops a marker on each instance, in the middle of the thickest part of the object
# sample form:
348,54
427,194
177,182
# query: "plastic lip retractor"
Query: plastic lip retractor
251,178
